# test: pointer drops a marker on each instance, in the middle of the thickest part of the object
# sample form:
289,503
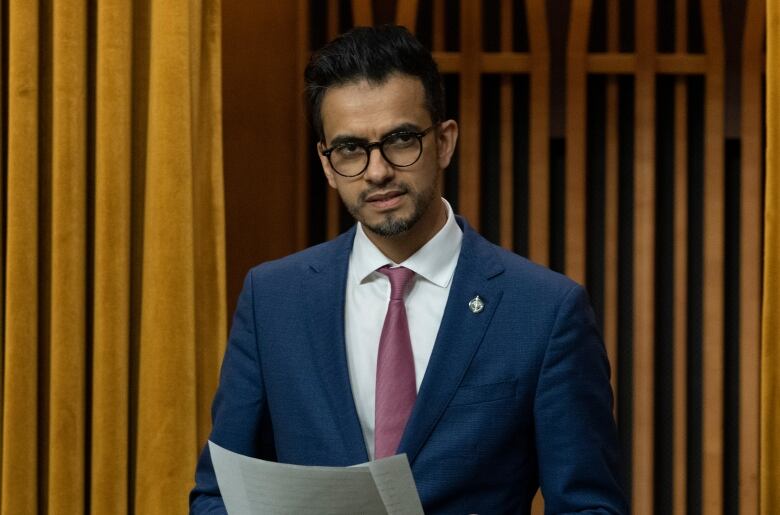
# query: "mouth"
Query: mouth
385,200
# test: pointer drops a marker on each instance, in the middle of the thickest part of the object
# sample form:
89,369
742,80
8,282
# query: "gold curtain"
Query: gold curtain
770,348
113,293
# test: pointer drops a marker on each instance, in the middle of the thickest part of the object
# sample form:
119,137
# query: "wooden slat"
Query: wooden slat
302,131
644,262
680,320
611,204
680,330
611,62
449,62
505,62
491,62
750,256
362,13
332,201
438,26
677,63
471,44
576,112
681,64
539,138
714,205
406,14
438,50
605,62
506,203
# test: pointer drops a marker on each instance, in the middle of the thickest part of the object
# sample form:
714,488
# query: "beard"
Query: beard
392,224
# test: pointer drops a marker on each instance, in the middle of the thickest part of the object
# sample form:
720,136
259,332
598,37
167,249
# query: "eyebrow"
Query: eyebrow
341,139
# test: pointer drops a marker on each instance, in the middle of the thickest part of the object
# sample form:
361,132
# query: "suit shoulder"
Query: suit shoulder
298,262
528,274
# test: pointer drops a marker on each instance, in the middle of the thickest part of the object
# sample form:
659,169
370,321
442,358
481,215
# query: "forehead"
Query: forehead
367,109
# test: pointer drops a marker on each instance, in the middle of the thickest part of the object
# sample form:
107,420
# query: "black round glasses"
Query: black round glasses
400,149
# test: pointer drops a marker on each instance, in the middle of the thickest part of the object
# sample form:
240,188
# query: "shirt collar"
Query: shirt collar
435,261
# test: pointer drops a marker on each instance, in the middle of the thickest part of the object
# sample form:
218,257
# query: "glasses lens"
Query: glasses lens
349,159
402,149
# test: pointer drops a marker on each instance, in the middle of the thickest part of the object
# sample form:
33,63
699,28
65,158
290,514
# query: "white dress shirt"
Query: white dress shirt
367,297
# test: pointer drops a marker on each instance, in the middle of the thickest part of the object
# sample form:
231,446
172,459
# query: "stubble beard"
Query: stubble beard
391,224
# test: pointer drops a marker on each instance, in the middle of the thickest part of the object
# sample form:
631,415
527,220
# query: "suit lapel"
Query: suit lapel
460,334
327,286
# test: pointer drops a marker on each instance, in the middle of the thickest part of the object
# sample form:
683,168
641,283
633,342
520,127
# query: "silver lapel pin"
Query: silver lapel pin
476,304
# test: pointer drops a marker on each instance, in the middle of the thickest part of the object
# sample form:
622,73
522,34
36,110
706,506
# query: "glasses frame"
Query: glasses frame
370,146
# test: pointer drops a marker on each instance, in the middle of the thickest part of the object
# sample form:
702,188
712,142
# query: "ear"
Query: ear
446,139
330,175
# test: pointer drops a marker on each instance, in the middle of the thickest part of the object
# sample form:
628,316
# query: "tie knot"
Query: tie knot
400,279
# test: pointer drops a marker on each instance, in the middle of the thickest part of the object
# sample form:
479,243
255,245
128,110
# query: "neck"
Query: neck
400,247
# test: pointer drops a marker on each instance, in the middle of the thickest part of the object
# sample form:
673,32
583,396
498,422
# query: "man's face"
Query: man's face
387,200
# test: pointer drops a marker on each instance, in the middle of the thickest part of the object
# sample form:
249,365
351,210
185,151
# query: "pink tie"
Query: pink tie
396,389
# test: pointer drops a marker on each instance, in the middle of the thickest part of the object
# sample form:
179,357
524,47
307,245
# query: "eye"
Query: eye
400,139
348,149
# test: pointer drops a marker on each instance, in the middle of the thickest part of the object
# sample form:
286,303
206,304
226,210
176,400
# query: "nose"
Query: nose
378,171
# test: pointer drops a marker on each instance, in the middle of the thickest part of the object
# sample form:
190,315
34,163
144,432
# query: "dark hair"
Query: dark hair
372,54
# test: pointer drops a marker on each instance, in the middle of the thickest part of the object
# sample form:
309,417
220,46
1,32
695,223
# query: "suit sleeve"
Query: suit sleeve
576,437
237,411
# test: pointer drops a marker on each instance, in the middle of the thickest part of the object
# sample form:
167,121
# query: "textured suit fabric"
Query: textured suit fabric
514,397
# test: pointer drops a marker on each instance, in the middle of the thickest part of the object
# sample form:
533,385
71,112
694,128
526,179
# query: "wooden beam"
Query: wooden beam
576,115
406,14
302,158
677,63
362,13
449,62
611,203
751,201
539,138
439,28
680,275
714,251
470,110
505,62
644,259
506,204
332,225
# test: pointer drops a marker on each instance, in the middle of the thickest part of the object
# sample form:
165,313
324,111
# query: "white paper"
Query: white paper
252,486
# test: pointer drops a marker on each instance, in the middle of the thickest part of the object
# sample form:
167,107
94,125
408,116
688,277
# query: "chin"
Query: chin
390,226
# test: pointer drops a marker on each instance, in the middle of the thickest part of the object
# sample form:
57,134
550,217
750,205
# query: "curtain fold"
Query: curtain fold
20,343
67,309
114,268
770,348
112,280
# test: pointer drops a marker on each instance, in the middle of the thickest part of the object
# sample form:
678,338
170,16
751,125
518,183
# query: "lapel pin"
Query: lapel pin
476,304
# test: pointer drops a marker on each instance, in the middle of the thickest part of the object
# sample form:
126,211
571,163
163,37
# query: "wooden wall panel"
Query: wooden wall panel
751,254
539,144
680,330
362,12
576,113
644,256
406,13
332,201
258,226
302,130
470,101
611,201
714,252
507,182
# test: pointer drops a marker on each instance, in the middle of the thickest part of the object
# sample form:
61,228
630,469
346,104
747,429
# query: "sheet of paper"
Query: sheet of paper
252,486
395,484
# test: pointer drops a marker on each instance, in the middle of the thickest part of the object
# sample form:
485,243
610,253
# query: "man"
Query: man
410,333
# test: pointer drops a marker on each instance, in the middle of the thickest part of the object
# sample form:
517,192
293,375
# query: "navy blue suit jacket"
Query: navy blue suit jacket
514,397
